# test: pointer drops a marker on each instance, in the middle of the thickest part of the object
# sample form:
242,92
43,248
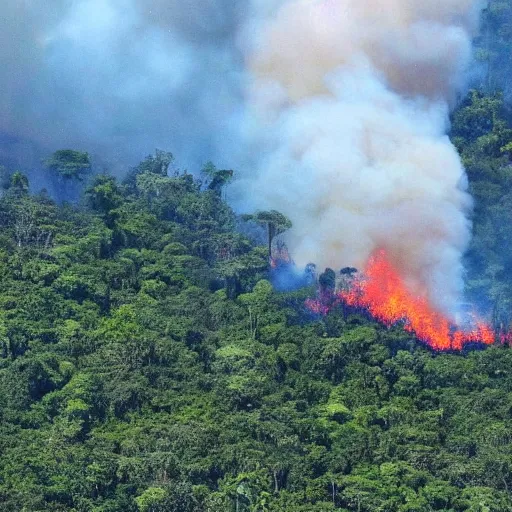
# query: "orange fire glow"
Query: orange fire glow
383,294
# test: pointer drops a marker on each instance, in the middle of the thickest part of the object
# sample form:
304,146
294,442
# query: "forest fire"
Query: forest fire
383,294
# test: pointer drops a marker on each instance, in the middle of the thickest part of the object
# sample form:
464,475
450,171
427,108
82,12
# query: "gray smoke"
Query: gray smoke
119,78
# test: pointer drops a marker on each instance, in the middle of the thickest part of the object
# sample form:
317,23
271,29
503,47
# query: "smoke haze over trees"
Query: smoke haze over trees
118,78
494,45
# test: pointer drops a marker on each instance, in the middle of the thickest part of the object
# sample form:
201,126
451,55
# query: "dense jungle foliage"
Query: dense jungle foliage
148,364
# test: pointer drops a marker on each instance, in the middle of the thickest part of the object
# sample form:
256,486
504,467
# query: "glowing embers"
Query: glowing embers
381,292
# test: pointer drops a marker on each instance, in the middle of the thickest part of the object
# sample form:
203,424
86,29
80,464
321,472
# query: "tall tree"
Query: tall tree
68,168
275,222
217,178
69,164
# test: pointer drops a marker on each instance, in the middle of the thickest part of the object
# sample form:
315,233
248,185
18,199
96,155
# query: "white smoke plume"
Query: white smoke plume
349,106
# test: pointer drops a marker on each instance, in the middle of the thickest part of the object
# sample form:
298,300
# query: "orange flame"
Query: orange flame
383,294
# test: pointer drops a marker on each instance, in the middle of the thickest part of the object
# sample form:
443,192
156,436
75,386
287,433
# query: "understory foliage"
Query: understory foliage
147,364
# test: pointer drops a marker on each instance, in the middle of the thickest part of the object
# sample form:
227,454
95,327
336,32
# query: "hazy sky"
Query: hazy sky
120,77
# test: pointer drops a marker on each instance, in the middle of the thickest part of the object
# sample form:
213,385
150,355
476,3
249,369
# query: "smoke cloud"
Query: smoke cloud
119,78
352,98
335,112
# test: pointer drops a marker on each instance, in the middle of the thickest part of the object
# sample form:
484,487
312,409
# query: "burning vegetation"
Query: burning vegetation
381,292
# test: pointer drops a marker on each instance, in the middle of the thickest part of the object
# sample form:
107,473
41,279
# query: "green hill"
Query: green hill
148,364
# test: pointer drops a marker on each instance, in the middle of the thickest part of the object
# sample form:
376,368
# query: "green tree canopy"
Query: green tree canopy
69,164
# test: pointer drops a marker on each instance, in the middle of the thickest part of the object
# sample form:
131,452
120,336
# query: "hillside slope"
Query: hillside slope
148,364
